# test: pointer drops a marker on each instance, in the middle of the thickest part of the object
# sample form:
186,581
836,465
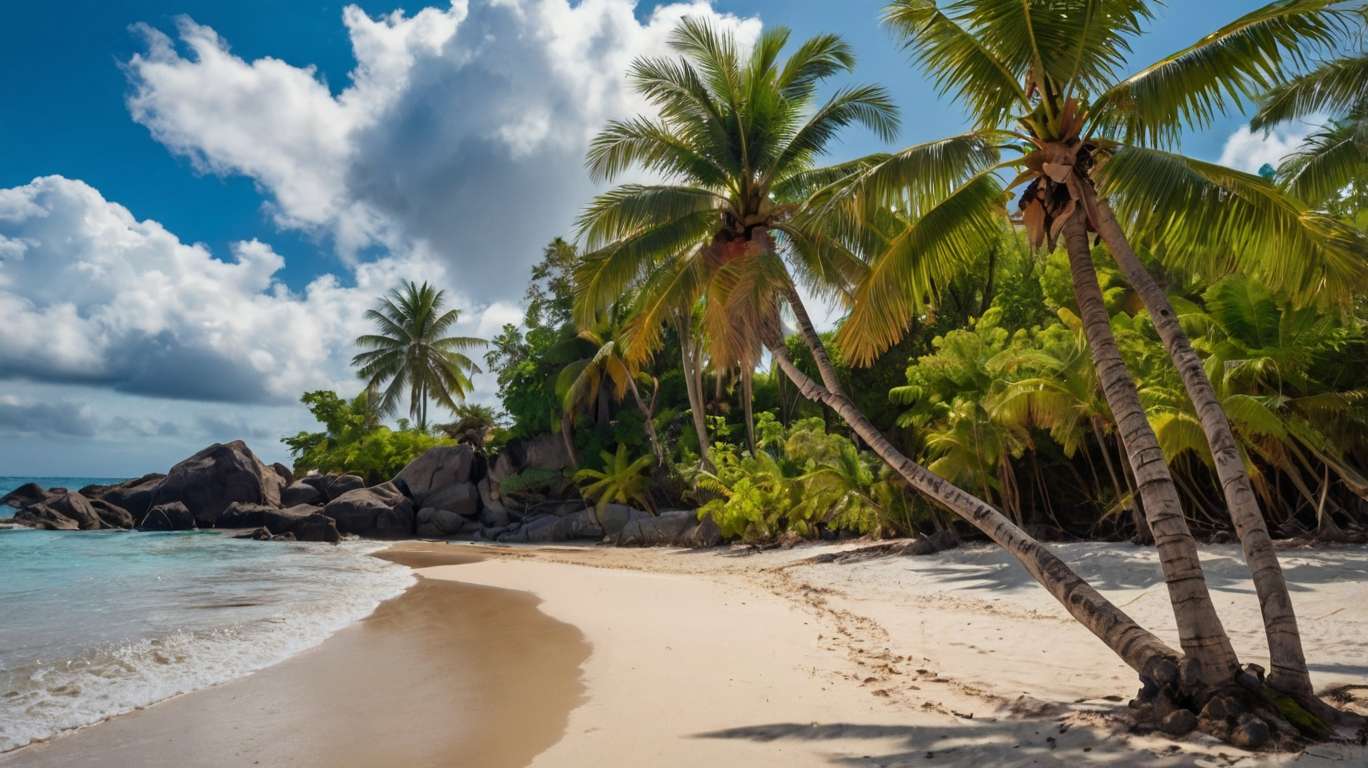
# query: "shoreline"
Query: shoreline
603,656
418,682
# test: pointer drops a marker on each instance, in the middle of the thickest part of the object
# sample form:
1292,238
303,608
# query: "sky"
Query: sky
199,200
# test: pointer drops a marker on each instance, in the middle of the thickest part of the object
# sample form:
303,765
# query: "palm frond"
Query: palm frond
1211,220
1218,73
1336,87
958,62
916,264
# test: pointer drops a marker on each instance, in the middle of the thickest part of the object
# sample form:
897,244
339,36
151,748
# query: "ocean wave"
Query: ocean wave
233,622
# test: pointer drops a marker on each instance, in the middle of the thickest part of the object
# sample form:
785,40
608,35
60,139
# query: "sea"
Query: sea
96,624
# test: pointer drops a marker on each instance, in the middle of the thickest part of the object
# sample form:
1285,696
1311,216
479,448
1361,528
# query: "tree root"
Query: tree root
1245,712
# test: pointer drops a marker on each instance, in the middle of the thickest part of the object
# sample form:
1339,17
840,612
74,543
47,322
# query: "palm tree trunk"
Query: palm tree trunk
567,435
748,403
693,385
1139,648
650,423
1199,628
1289,671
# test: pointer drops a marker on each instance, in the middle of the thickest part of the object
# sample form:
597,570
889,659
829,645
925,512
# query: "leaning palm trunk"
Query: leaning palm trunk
1139,648
1289,671
1199,628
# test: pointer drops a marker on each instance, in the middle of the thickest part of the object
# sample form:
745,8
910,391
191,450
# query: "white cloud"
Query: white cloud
100,297
1248,150
461,133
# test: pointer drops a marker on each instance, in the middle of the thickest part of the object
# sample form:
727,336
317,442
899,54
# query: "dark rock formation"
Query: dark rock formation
436,470
243,515
286,476
461,498
433,523
380,511
301,492
217,476
112,516
336,485
134,496
172,516
662,530
24,495
74,506
317,527
46,518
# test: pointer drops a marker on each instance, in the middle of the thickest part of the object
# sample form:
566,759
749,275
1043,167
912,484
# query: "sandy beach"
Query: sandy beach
592,656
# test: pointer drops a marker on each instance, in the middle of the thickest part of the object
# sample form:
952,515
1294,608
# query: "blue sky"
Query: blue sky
264,167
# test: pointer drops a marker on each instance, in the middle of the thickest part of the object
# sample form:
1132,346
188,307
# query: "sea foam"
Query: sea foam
94,625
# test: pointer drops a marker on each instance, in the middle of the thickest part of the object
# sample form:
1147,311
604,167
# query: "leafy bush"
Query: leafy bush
801,480
623,480
354,441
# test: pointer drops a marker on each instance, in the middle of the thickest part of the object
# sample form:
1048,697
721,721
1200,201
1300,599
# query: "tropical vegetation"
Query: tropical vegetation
1188,364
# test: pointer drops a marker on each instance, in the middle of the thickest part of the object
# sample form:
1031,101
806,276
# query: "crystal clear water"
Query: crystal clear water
94,624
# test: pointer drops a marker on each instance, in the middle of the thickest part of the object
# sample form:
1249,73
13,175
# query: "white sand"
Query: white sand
724,658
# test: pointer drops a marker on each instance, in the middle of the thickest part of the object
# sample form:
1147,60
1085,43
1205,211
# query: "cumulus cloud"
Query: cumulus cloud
96,296
1249,150
461,133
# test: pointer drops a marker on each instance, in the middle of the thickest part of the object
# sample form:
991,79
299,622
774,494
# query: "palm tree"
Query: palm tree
1041,83
1334,157
737,141
411,351
582,382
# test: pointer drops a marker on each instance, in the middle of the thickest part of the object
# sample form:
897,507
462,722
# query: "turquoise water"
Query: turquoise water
94,624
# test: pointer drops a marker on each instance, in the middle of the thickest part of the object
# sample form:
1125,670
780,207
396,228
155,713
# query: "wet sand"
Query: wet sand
447,674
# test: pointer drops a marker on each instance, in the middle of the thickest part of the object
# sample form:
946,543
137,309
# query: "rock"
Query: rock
359,511
217,476
24,495
461,498
301,492
172,516
1179,722
701,536
112,516
397,522
287,536
662,530
612,518
936,542
259,534
433,523
435,470
286,476
550,529
76,507
43,517
243,515
337,485
317,527
1250,732
495,516
135,495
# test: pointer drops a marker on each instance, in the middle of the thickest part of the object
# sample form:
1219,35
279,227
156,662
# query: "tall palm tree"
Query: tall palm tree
737,141
1042,84
411,352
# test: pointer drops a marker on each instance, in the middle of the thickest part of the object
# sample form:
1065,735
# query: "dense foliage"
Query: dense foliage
353,439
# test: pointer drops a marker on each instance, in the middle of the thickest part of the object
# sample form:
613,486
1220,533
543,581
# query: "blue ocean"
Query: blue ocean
95,624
